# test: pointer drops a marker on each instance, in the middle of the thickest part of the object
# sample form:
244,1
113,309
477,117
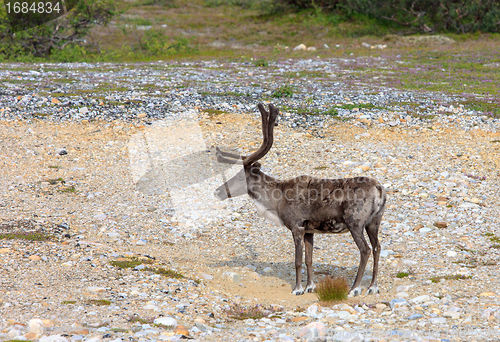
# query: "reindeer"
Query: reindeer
308,205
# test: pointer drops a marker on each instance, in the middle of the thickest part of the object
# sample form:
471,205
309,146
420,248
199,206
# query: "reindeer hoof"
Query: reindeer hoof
310,288
298,292
373,290
355,292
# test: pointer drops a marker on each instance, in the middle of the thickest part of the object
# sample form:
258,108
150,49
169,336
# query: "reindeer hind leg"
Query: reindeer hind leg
372,231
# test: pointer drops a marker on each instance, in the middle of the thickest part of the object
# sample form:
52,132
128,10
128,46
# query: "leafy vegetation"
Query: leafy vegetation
283,91
402,274
60,37
156,43
332,289
416,15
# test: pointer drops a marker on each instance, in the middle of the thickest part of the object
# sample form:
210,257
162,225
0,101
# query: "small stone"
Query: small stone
35,326
5,250
166,321
487,294
142,115
34,258
451,254
312,310
475,200
397,303
31,336
415,316
81,331
311,48
441,224
437,320
233,276
100,216
312,331
181,330
300,47
201,326
250,267
420,299
299,319
55,101
365,167
52,338
268,270
83,110
451,314
96,289
62,152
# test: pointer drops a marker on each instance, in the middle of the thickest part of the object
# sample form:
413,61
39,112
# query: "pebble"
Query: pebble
165,321
312,331
300,47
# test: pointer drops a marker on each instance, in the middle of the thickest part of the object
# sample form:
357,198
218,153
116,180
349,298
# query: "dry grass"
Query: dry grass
331,289
240,312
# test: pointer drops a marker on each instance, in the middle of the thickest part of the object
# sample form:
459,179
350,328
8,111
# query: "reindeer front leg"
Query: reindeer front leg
309,239
298,238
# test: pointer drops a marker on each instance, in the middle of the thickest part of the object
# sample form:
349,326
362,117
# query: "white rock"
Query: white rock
451,254
420,299
83,110
312,310
312,332
52,338
166,321
233,276
251,267
35,326
311,48
13,333
300,47
268,270
451,314
437,320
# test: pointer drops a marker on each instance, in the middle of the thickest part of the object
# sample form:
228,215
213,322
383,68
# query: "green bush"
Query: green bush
46,39
457,16
156,43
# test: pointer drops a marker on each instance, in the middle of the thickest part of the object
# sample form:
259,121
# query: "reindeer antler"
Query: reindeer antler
268,122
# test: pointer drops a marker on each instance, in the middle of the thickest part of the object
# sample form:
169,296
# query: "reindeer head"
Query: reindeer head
239,184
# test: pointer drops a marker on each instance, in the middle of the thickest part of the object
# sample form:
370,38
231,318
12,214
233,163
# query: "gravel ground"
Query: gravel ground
115,163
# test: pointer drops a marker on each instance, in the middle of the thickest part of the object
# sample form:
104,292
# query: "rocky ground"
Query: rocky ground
110,231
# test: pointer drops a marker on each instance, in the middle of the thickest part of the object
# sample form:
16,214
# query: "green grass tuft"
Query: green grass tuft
130,263
450,277
283,91
30,236
402,274
98,302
